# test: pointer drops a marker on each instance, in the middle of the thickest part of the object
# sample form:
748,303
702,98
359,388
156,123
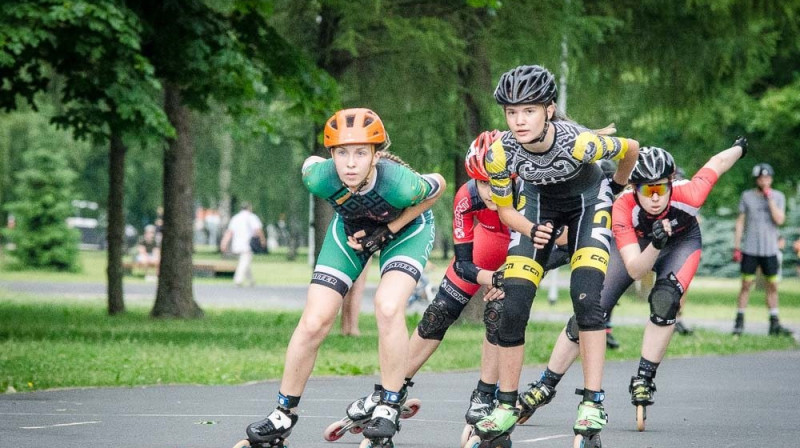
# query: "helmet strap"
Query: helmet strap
546,127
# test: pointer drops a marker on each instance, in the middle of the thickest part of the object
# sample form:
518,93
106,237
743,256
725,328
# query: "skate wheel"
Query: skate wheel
366,443
641,416
334,432
356,429
473,442
410,408
468,432
587,442
242,444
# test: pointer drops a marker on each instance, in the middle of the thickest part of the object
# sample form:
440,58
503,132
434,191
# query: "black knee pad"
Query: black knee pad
585,287
436,319
491,318
515,313
572,330
665,301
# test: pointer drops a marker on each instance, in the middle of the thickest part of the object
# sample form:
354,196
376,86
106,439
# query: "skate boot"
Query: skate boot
738,325
532,399
591,419
642,390
382,427
611,341
495,429
270,432
682,329
776,329
481,404
359,414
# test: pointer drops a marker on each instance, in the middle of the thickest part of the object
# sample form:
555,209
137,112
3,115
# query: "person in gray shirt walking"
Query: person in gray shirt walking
755,244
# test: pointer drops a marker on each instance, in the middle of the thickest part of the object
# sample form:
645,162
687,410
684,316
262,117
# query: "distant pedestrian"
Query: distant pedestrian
242,228
148,253
755,244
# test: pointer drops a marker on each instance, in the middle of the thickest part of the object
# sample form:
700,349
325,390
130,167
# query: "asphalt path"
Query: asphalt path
293,297
710,402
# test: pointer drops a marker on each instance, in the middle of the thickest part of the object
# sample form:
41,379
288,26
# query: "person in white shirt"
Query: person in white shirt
242,228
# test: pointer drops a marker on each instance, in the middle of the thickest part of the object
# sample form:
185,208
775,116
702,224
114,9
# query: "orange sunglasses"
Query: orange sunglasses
649,189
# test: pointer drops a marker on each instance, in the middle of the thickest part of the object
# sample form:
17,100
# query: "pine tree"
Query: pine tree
41,238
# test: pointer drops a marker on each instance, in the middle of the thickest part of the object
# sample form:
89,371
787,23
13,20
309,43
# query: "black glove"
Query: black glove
741,141
376,240
536,227
498,279
615,187
660,236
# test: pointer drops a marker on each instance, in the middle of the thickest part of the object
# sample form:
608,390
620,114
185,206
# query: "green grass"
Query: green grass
93,269
48,345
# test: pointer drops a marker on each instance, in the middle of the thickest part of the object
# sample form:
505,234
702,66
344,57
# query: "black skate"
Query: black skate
382,427
642,391
611,341
776,329
682,329
481,404
738,325
538,395
270,432
359,414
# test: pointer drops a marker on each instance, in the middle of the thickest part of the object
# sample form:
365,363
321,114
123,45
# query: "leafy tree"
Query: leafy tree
41,238
107,88
202,52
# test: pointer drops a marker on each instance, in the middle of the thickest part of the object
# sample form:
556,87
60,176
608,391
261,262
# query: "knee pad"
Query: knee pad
491,318
436,319
585,293
572,330
515,314
665,300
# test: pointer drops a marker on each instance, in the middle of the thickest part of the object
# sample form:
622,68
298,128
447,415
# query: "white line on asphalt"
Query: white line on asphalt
542,439
59,425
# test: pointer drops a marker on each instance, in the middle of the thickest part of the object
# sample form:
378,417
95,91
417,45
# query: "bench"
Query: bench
205,269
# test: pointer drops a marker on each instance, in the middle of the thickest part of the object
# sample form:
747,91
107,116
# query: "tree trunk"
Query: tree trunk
174,297
115,236
334,62
225,162
478,78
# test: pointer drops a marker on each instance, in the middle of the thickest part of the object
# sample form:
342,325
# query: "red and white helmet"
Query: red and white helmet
476,155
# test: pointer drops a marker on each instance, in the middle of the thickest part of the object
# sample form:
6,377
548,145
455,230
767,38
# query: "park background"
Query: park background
132,105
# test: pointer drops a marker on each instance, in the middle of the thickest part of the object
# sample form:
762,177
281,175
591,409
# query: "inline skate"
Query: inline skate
481,404
642,390
591,419
380,430
494,430
538,395
359,414
270,432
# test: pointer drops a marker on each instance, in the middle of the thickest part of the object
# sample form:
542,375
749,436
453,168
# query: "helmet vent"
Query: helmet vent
349,121
333,124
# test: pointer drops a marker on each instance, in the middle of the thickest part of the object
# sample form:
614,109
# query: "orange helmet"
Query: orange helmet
354,126
474,162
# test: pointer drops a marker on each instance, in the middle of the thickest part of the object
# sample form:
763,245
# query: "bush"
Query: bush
41,238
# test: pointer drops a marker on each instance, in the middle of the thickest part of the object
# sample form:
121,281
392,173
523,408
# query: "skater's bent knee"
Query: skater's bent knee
665,301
